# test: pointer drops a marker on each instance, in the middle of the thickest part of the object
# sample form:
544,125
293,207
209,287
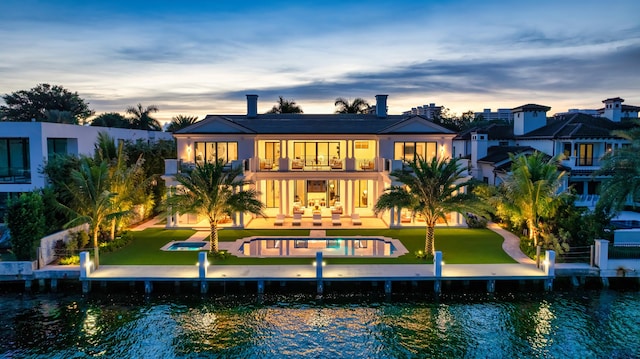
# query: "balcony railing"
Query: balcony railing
15,175
366,164
313,164
268,164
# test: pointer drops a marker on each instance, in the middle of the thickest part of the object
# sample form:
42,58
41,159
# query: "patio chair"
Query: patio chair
279,220
297,219
335,219
317,219
355,219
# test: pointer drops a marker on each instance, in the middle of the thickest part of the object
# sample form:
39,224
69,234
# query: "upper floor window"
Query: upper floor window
409,151
585,154
316,153
566,149
14,160
213,151
56,146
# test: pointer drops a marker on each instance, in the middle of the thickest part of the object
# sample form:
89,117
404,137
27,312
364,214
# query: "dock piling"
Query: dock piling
491,286
148,287
260,287
387,287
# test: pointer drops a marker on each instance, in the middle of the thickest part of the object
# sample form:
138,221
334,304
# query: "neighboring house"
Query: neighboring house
311,164
26,146
578,139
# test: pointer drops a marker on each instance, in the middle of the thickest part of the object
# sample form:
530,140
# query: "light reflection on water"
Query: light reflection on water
580,324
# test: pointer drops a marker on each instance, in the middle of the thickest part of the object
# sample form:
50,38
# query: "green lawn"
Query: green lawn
471,246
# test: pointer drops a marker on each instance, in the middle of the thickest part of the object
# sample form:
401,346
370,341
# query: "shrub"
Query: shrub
82,238
474,221
423,255
72,260
117,243
26,222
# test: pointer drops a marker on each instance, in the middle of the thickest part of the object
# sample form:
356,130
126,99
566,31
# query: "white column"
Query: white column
352,187
281,189
391,216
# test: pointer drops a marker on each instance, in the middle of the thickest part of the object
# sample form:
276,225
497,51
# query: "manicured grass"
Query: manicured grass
145,249
469,246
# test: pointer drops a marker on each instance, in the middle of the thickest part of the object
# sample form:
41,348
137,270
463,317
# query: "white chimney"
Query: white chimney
381,106
252,106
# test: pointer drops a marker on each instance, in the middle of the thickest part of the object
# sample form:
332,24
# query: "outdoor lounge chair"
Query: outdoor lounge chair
317,219
279,220
335,219
297,219
355,219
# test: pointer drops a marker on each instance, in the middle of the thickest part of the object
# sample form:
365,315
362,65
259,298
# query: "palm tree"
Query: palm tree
623,167
285,106
91,199
111,119
357,106
212,190
432,189
179,122
141,117
532,190
127,183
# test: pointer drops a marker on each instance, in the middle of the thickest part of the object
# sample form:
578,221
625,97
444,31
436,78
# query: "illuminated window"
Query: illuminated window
213,151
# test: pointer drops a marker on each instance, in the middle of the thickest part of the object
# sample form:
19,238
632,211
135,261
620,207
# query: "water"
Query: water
575,324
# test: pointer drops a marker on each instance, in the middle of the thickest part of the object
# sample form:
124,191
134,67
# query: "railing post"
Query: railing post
592,258
437,272
203,265
549,269
602,254
320,287
538,256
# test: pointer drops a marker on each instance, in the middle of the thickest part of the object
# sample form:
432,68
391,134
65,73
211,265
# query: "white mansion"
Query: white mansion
339,164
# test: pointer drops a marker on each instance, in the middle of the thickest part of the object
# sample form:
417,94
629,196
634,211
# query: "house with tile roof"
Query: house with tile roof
311,165
579,140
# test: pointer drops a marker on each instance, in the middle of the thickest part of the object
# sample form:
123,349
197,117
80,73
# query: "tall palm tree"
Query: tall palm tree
214,191
285,106
91,198
141,117
623,167
358,105
432,189
532,190
179,122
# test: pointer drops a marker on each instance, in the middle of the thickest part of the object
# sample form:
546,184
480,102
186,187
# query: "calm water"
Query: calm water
574,324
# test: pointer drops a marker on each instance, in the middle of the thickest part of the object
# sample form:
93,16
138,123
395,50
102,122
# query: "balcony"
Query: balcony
313,164
15,175
268,164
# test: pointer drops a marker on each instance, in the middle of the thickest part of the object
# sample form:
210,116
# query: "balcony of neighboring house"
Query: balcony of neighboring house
15,175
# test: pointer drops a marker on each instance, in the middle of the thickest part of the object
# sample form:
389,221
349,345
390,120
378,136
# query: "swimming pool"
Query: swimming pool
185,246
330,246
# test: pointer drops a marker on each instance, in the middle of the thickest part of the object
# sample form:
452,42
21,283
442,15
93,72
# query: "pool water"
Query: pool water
329,246
185,246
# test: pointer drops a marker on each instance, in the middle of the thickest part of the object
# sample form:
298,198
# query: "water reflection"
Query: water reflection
559,325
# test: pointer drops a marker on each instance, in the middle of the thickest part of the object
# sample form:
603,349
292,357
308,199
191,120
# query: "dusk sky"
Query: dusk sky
203,58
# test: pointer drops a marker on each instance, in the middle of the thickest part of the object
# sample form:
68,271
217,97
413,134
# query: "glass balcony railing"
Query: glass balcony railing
15,175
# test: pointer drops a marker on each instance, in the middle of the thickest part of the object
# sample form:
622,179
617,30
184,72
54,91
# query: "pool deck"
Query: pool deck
395,272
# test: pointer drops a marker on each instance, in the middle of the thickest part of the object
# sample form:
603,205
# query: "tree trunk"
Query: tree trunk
213,237
429,243
96,254
533,232
112,235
